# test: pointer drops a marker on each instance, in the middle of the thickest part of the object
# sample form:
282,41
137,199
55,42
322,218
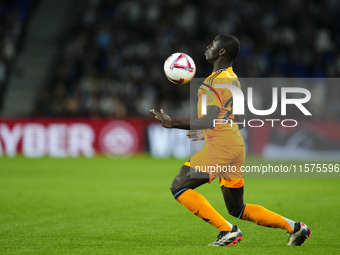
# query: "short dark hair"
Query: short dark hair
231,45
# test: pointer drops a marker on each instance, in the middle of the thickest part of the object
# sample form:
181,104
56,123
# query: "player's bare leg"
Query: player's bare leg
182,188
233,198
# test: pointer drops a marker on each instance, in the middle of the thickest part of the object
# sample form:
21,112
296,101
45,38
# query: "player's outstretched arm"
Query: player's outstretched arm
206,122
163,118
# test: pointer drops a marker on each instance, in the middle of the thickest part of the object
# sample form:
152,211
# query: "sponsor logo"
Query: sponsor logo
118,138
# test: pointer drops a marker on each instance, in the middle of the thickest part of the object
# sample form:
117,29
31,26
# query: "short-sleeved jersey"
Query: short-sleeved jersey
223,133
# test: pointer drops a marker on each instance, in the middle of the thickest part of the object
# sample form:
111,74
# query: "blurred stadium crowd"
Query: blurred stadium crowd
111,64
14,15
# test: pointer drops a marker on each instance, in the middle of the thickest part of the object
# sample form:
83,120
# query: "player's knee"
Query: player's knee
174,185
177,189
172,188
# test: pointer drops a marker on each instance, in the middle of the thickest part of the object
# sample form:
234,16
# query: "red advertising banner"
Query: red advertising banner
67,137
310,140
117,137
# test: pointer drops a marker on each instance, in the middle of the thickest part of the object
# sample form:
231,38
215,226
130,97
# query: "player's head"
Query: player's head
223,46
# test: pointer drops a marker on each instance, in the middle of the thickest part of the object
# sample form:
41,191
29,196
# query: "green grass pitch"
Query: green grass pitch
106,206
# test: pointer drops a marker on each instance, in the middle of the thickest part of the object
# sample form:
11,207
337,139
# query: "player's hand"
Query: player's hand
195,135
163,118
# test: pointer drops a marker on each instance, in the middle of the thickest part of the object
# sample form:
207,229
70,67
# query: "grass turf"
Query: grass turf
105,206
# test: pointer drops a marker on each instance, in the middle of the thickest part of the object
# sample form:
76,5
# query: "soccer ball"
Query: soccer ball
179,68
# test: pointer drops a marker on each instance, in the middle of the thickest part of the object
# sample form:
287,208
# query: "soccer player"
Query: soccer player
224,146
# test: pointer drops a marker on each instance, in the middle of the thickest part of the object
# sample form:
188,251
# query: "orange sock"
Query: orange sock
198,205
262,216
